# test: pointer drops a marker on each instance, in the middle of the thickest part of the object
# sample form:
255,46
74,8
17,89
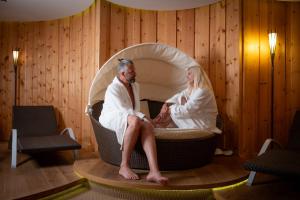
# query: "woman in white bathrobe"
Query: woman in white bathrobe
194,107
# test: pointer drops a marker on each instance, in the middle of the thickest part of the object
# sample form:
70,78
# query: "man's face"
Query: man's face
130,74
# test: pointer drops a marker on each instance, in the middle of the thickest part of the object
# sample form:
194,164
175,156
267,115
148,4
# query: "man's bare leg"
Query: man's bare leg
149,146
130,138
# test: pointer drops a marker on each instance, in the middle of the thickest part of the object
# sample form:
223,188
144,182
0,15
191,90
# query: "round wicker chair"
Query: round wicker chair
174,151
160,70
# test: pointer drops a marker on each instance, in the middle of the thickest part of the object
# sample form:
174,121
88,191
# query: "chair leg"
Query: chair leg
251,178
75,154
14,149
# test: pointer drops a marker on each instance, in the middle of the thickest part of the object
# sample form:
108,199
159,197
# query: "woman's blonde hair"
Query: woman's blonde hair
199,80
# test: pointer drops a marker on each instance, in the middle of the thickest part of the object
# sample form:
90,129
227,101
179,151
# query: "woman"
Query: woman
194,107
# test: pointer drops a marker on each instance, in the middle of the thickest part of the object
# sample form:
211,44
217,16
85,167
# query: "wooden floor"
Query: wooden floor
36,176
223,171
31,176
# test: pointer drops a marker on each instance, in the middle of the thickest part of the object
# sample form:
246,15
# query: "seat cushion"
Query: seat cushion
35,144
181,134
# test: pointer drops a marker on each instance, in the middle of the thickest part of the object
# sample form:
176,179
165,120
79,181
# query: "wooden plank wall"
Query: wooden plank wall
260,17
59,59
292,61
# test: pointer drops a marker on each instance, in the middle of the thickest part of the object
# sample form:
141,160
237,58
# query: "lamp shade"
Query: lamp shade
15,56
272,42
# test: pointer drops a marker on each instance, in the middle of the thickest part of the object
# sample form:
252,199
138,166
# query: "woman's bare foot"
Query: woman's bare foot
157,178
127,173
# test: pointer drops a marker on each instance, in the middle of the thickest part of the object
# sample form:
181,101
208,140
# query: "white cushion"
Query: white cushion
179,134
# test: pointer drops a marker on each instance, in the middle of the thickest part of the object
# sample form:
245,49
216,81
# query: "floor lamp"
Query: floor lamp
272,43
15,61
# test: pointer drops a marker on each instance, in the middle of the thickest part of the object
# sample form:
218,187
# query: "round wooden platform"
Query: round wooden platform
223,171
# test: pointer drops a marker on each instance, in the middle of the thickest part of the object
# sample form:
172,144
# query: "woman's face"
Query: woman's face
190,77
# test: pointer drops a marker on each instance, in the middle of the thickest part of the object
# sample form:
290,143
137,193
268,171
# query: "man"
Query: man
121,114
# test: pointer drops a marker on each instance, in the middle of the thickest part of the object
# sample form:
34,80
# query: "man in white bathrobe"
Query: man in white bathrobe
121,114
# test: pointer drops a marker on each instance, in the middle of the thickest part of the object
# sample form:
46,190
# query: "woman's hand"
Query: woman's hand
164,111
164,108
183,100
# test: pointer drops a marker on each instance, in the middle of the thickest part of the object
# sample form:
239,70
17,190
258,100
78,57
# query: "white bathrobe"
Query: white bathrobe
117,106
200,111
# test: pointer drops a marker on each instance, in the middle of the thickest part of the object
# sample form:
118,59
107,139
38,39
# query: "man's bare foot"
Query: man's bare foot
127,173
157,178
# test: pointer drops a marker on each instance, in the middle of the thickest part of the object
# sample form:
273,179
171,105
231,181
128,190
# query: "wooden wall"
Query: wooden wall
202,33
259,17
59,59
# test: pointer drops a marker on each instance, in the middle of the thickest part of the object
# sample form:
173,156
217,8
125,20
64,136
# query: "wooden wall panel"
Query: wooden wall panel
117,29
280,129
51,48
75,77
21,31
32,71
2,74
233,73
202,48
8,80
41,62
87,62
104,50
64,58
265,82
185,31
132,27
148,26
289,41
217,52
166,28
293,60
248,137
97,34
3,65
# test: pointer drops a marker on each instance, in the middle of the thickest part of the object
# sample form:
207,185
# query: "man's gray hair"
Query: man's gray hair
123,63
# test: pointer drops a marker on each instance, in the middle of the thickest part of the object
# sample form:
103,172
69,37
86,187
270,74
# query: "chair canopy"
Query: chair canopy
161,71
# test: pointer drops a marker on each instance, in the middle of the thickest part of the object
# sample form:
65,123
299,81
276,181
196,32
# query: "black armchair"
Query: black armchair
35,130
278,161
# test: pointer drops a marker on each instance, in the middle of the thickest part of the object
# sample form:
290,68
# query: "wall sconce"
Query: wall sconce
15,62
16,56
272,43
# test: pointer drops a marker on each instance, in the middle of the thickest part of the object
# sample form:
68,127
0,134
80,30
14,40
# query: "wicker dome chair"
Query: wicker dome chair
160,70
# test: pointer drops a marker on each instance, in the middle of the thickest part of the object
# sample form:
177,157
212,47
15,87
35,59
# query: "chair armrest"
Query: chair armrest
69,131
266,145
